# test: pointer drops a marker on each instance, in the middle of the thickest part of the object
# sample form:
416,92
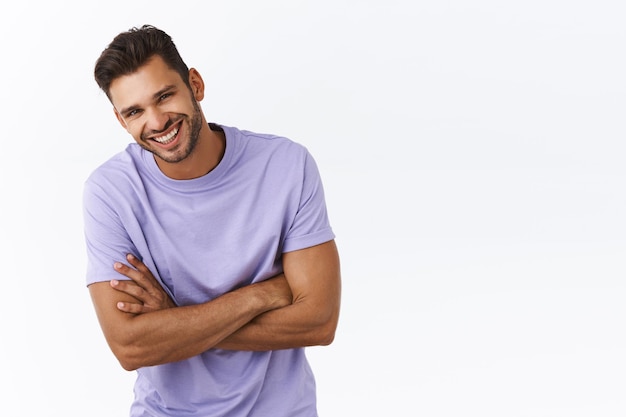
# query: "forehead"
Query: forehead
140,86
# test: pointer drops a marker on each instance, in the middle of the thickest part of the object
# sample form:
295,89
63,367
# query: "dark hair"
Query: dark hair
132,49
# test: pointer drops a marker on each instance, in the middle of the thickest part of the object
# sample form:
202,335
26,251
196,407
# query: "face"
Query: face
156,107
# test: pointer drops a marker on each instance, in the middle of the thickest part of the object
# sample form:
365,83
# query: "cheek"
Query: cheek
135,129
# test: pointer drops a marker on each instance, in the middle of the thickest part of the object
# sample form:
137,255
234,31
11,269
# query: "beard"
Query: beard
178,154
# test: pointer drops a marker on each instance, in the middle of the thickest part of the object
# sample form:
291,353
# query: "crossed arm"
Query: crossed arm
144,327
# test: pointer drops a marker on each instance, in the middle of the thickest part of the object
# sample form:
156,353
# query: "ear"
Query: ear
197,84
120,119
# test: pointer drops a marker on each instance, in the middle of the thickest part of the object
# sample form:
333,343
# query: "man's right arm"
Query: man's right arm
173,334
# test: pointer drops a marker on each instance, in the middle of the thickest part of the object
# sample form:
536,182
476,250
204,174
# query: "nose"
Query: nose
156,120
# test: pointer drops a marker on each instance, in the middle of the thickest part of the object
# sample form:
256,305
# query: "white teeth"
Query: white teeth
167,138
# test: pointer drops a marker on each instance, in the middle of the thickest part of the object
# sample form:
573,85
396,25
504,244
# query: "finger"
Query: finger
146,276
132,308
130,288
148,281
150,291
136,275
127,271
137,263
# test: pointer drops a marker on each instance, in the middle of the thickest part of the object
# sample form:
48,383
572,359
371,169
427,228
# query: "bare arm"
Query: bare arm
314,278
159,335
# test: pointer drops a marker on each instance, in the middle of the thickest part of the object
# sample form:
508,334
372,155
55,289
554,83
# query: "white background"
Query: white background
473,159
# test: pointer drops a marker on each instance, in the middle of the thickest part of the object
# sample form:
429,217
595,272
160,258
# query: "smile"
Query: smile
164,140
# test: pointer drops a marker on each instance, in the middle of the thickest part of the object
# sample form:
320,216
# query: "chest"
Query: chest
207,244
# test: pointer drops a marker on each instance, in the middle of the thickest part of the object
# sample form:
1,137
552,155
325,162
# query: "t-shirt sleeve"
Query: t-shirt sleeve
311,225
106,239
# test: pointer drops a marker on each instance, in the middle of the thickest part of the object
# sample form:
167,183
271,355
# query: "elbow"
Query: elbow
130,356
327,335
131,359
325,339
128,366
325,331
130,362
127,360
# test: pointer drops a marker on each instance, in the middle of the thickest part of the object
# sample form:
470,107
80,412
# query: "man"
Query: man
211,261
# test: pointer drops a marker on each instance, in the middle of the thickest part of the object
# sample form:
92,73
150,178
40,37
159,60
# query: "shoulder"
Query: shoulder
267,143
118,170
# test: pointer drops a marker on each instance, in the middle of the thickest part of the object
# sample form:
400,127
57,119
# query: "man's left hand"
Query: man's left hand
143,286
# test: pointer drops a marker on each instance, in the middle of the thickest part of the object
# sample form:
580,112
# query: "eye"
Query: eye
164,96
132,113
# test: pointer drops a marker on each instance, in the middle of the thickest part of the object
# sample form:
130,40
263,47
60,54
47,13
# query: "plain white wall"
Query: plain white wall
473,160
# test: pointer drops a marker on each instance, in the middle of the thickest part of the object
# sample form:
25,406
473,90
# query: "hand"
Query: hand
143,286
278,291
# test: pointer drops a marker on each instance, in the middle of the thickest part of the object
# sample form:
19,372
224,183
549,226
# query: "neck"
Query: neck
205,157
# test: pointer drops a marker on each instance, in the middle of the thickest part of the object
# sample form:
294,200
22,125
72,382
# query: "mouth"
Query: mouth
167,138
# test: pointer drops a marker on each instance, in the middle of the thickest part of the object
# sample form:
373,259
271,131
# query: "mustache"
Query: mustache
168,124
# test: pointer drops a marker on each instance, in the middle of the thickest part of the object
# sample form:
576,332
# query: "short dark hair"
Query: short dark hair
132,49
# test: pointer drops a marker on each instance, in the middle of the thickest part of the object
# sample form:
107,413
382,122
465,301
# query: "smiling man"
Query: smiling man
211,260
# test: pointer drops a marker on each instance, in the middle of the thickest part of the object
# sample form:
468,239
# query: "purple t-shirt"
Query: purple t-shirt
202,238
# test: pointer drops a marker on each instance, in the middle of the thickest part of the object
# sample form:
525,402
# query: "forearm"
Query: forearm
303,323
266,333
311,319
178,333
145,329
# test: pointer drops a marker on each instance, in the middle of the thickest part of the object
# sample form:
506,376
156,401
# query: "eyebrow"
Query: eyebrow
155,96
